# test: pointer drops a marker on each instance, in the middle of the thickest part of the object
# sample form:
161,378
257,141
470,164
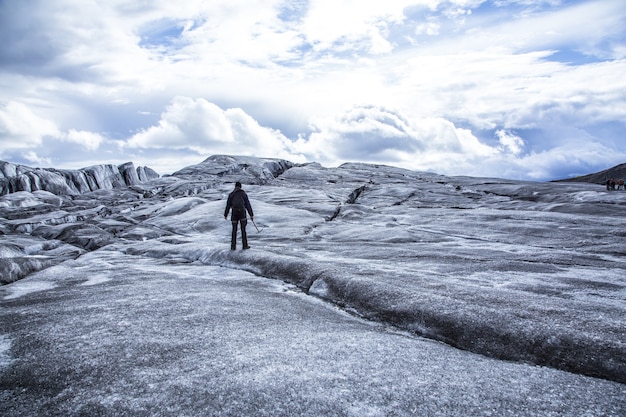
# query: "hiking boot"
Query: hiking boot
246,247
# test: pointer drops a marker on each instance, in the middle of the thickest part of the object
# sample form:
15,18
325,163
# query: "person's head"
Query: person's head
237,184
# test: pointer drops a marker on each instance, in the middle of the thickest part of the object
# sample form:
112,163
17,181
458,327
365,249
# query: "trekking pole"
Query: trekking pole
257,227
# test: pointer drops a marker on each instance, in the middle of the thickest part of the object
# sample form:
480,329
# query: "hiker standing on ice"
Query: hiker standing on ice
238,201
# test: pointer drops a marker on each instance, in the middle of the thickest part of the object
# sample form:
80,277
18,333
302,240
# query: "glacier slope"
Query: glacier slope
530,272
112,334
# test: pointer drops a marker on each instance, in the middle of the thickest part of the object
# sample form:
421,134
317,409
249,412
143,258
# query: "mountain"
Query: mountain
516,270
617,172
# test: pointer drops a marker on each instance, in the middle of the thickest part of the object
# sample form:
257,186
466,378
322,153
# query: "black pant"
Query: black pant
244,236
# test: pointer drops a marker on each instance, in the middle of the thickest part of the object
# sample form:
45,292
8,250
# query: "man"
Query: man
238,201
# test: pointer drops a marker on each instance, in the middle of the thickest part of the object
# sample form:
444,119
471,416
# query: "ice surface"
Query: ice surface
162,337
5,345
19,289
522,271
69,182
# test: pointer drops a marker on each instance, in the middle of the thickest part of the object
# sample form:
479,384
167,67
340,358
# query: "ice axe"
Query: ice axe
257,227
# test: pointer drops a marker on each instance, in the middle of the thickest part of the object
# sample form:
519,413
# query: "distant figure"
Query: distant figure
620,184
610,184
238,201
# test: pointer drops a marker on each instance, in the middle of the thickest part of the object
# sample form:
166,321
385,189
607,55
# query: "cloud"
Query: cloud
555,25
376,134
21,128
455,86
429,28
89,140
204,128
578,157
33,158
346,25
572,96
380,135
510,141
22,132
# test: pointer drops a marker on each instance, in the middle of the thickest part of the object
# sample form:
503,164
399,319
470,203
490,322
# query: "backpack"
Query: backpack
239,204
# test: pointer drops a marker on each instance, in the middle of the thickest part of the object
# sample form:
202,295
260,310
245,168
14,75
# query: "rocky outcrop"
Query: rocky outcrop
259,170
21,255
14,178
146,174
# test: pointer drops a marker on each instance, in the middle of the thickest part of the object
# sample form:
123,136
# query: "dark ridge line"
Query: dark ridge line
354,195
352,199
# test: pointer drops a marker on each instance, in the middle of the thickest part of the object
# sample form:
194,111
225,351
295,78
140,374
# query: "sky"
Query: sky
517,89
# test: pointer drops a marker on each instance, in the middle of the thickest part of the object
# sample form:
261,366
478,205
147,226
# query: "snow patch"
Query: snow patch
24,287
319,289
96,279
599,197
5,346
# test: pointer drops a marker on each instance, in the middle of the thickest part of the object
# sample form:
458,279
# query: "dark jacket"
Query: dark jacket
238,201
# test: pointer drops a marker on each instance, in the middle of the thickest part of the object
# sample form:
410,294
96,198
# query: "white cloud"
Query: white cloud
454,73
89,140
578,157
374,134
510,141
204,128
429,28
378,135
575,96
35,159
21,128
345,24
22,132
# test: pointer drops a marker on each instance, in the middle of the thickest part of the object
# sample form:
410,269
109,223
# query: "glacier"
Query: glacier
369,290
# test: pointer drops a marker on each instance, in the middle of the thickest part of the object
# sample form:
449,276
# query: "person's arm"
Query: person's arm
228,203
248,206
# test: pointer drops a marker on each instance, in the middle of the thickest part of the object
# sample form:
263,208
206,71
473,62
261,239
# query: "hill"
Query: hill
618,171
